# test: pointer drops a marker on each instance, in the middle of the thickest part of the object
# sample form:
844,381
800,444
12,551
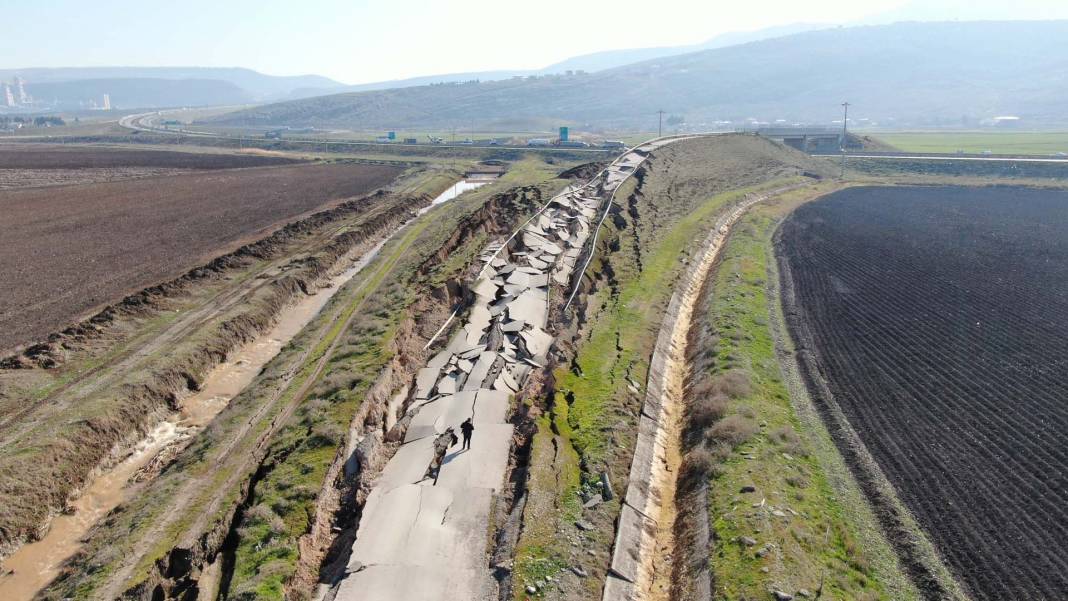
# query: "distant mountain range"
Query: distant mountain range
72,88
905,73
597,61
154,87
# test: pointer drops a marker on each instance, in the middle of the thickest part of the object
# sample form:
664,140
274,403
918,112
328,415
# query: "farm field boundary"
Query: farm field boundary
955,398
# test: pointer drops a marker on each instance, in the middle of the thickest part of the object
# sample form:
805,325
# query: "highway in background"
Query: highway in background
143,122
930,156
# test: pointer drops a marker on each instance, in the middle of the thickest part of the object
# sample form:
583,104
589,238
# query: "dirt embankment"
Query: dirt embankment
70,251
38,483
379,426
220,540
584,172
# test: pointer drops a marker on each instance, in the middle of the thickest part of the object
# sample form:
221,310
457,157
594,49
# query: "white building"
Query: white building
20,91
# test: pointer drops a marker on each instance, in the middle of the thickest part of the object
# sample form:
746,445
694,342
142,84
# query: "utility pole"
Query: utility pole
660,128
845,136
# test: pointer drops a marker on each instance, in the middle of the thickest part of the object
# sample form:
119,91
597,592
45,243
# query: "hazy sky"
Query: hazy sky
357,41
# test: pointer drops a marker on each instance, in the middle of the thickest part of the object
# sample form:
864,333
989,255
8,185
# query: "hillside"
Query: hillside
150,87
906,73
140,92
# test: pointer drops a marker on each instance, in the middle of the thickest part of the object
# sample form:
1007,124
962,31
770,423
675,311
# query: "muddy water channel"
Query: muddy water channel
34,565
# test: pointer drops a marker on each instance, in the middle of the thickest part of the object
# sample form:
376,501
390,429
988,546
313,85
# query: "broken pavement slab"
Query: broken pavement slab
626,550
425,380
420,541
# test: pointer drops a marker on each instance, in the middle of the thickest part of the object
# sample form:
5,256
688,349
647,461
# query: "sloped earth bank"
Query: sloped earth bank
587,414
418,536
645,547
251,495
131,366
34,565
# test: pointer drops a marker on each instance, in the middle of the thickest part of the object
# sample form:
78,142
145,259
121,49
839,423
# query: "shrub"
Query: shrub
697,467
787,438
721,452
732,430
262,514
707,410
734,383
325,434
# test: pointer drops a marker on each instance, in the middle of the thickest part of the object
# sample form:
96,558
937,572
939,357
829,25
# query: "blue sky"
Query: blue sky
360,41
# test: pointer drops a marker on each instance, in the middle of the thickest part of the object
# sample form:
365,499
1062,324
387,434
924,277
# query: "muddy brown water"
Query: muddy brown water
34,565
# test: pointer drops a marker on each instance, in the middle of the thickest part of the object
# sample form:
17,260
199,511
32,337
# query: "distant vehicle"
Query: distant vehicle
382,140
986,152
570,144
494,142
411,141
613,144
466,142
1060,154
273,135
539,142
434,140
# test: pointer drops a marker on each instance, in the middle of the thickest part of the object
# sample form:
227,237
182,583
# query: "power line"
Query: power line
845,136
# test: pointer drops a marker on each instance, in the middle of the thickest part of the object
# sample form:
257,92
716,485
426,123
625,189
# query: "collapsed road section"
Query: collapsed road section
425,531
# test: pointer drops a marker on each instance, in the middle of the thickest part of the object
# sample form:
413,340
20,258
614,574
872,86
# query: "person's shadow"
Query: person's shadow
452,456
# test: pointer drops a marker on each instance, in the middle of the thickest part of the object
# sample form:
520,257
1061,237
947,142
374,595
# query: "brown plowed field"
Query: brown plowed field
69,251
938,318
54,156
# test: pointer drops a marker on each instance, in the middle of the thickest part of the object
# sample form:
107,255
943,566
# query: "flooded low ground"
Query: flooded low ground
34,565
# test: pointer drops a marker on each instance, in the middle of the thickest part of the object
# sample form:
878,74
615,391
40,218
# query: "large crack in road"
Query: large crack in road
419,538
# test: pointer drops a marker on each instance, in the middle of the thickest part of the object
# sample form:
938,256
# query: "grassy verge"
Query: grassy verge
1010,142
594,417
782,511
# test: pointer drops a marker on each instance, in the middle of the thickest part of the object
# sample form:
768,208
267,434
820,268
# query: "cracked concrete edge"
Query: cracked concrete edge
627,547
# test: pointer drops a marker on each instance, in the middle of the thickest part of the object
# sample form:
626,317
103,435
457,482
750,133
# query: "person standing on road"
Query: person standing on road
467,428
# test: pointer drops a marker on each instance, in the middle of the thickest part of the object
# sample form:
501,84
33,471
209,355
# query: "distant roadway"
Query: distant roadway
139,123
927,156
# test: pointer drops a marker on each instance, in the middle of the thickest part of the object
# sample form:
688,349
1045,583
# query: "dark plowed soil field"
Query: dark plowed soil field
67,251
939,318
52,156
